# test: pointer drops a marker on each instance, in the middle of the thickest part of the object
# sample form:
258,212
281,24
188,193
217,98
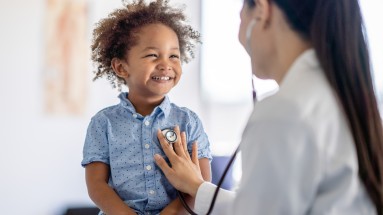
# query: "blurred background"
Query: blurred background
47,94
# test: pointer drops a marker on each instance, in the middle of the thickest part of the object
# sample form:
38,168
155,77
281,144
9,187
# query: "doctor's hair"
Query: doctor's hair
337,32
115,35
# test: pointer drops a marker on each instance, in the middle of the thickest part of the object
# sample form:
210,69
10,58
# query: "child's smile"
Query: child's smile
162,78
153,65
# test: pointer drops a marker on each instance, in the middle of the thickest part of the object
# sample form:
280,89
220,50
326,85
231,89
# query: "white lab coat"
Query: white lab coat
298,154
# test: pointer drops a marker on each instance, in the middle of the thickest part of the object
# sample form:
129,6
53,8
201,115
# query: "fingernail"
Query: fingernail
157,156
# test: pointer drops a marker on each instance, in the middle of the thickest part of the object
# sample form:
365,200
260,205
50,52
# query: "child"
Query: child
141,46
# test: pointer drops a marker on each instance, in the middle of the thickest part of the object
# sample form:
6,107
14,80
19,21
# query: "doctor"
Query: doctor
314,147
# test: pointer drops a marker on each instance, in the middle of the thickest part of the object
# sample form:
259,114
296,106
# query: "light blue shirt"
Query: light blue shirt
127,141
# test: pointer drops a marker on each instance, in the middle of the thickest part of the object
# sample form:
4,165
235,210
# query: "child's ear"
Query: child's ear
120,67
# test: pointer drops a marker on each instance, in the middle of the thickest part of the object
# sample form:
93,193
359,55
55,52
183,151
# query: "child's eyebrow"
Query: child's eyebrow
150,48
155,48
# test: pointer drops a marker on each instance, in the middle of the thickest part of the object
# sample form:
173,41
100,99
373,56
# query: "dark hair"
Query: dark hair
336,30
115,35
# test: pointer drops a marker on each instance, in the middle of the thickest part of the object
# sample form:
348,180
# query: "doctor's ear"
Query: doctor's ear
120,67
263,11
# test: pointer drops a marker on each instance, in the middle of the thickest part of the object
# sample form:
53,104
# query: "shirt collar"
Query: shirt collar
307,61
163,107
124,101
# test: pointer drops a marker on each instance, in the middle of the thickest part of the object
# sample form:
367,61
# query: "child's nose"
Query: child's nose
164,66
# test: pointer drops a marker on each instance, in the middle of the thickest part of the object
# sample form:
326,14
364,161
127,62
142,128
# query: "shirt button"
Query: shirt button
135,115
151,192
147,146
147,123
148,167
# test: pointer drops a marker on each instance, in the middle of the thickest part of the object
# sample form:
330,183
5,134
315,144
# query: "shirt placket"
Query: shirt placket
148,159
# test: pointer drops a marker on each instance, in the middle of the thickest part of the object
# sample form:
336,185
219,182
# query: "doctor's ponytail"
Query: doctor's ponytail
336,30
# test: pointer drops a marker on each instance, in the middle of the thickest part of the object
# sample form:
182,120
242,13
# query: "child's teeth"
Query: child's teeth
161,78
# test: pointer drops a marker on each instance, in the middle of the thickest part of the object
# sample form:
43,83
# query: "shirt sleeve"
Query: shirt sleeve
281,171
196,133
96,147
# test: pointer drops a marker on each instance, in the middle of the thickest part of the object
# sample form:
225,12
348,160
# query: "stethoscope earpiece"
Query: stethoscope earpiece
249,31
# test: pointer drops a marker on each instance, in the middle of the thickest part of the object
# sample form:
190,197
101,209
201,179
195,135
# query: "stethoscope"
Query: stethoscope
171,136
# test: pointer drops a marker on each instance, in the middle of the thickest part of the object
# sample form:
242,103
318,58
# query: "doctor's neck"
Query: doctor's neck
289,49
287,46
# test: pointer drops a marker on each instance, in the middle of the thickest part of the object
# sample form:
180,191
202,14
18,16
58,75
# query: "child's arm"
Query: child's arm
97,176
176,207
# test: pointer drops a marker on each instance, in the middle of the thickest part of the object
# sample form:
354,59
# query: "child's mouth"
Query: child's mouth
161,78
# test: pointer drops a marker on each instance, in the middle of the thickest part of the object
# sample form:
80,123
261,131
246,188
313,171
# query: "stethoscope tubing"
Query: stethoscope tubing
219,185
221,180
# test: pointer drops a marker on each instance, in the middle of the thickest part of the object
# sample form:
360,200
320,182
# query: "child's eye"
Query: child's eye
151,55
175,56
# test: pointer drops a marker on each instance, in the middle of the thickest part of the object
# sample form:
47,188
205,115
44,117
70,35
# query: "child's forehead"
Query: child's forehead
153,27
153,31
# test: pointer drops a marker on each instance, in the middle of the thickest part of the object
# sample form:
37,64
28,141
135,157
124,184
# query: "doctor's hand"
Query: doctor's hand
184,173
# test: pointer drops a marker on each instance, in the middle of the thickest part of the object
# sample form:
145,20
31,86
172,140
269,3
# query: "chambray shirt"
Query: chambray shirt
127,141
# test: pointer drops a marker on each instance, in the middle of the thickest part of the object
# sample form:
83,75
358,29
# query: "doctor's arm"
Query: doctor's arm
280,174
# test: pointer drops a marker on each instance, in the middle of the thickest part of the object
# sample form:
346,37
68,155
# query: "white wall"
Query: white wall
40,155
40,172
373,17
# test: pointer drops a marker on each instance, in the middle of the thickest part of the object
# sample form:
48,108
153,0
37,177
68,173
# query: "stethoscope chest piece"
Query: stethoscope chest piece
170,135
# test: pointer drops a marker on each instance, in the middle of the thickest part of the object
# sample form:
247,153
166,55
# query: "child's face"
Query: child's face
153,66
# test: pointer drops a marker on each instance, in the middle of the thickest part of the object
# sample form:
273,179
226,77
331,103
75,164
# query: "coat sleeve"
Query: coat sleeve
205,195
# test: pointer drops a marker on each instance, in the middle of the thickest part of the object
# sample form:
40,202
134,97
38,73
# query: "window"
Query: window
225,65
372,17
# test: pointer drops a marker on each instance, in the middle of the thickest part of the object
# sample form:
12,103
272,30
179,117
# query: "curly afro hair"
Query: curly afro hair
115,35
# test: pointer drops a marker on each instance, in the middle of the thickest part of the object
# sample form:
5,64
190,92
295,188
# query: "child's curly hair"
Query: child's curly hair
114,35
